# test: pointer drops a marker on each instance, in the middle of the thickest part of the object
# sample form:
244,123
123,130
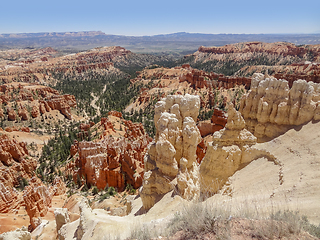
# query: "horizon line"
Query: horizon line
159,34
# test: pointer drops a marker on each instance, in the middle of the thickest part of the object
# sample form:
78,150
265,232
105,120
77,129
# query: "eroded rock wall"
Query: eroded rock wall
15,163
111,162
270,107
201,79
171,160
37,199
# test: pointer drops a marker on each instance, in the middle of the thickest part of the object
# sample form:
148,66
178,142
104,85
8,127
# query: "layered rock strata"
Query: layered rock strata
201,79
270,107
111,162
19,97
171,160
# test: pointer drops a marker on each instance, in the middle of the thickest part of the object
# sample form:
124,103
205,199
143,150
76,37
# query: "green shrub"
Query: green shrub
95,190
22,183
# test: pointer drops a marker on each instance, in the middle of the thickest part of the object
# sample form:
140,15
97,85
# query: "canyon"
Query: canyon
185,135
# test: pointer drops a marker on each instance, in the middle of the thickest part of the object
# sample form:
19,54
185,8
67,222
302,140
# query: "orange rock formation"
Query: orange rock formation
201,79
218,121
112,162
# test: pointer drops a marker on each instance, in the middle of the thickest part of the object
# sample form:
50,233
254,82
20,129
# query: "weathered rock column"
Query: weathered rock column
171,161
229,149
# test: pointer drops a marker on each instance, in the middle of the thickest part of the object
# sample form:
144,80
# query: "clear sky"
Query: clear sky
141,17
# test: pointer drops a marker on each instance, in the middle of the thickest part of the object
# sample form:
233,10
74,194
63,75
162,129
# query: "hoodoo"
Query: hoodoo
171,161
270,107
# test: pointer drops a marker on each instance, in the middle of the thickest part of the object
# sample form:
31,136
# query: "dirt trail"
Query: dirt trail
95,99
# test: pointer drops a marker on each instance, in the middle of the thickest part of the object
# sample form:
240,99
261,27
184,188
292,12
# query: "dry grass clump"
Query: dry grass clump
201,218
205,221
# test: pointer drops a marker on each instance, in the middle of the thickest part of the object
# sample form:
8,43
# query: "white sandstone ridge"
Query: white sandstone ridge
230,150
270,107
20,234
171,159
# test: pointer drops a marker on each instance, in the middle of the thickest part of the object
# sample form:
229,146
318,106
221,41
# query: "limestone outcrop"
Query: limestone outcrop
59,187
17,170
20,100
14,162
201,79
111,162
277,48
35,112
11,114
171,161
225,154
8,198
218,121
270,107
62,103
19,234
115,114
23,113
37,199
61,216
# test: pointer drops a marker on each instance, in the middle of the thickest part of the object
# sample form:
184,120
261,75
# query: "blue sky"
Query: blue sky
141,17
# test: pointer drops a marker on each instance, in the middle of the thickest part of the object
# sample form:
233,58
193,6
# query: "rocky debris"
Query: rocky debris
112,162
19,234
25,129
11,129
61,217
171,160
14,128
37,199
134,129
230,150
270,107
144,97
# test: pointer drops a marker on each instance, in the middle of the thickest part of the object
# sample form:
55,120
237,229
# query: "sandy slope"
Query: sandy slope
293,184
